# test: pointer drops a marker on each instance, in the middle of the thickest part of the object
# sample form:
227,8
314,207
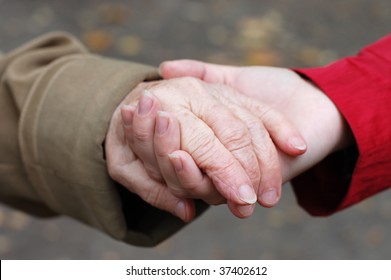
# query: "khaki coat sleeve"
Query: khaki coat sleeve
56,101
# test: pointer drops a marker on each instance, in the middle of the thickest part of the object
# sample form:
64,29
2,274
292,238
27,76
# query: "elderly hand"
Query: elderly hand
128,170
313,113
219,130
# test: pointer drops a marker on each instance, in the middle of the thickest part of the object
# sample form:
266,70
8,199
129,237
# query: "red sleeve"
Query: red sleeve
360,87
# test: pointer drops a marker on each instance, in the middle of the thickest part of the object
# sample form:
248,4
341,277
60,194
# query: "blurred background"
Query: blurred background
270,32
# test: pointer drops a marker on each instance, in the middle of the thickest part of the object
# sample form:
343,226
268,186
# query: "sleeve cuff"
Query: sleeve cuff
62,128
360,88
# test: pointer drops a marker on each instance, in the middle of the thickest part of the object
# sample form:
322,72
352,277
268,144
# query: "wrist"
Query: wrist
320,123
331,126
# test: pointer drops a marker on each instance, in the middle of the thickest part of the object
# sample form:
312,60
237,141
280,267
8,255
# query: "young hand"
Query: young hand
307,107
228,114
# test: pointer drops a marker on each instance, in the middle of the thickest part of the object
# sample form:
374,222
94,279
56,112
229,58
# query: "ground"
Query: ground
270,32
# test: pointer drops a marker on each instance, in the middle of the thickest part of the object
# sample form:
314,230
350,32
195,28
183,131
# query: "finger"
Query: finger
127,114
201,142
211,155
253,131
179,170
241,211
135,178
284,134
232,131
287,139
167,139
191,178
268,175
143,132
269,191
207,72
267,178
124,168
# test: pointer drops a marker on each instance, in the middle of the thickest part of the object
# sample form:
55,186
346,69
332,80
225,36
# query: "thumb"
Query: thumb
212,73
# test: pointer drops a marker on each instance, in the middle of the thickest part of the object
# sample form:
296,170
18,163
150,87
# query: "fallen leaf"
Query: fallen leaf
98,40
130,45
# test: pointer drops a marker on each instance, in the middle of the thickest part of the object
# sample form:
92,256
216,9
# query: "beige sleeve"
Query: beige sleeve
56,101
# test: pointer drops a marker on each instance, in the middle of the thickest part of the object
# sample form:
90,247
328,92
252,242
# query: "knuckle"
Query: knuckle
141,135
154,197
165,144
192,186
201,147
114,174
236,138
222,176
113,170
270,115
240,144
177,191
153,173
160,152
228,168
190,81
139,87
117,174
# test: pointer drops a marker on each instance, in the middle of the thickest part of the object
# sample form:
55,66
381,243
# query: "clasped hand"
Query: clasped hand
207,137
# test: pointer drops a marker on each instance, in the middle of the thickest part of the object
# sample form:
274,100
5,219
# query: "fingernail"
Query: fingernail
176,162
247,194
269,197
161,122
145,104
298,143
127,112
180,210
246,210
